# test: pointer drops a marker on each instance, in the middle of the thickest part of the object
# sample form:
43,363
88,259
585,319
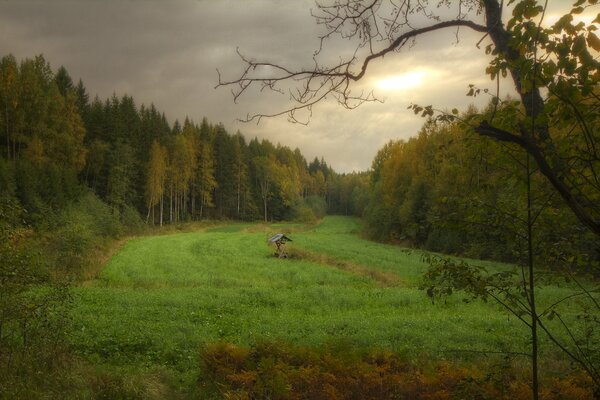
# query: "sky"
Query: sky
168,53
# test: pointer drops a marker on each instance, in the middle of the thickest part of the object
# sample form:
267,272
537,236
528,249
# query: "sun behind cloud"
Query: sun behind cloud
404,81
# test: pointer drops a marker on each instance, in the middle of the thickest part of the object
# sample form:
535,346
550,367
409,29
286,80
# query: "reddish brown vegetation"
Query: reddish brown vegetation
277,371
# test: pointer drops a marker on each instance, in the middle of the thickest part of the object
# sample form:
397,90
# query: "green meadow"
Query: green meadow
159,299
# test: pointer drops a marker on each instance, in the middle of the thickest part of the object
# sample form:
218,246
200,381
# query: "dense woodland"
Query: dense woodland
552,69
452,191
59,145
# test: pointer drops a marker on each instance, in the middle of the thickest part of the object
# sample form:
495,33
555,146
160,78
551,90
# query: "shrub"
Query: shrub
84,224
34,319
302,213
318,205
280,371
131,220
308,210
100,218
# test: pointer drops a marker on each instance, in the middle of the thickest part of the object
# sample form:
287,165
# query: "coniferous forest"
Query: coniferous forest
60,145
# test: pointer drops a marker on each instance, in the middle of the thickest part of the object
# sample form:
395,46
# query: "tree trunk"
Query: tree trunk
238,201
264,191
161,209
14,144
171,206
184,205
87,172
539,144
201,205
531,297
193,206
239,184
7,132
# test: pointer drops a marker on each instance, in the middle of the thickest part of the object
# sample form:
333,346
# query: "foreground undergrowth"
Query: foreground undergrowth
279,371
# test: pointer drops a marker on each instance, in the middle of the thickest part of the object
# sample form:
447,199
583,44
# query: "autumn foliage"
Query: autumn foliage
280,371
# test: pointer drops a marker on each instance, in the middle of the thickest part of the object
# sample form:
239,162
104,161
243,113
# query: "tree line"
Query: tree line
58,143
434,191
452,191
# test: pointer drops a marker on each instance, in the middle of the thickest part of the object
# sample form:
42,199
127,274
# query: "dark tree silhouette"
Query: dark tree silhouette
553,69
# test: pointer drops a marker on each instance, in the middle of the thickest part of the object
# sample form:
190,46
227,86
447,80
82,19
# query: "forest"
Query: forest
435,191
453,192
58,142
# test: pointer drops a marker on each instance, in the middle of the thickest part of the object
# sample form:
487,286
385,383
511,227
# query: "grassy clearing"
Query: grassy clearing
162,297
339,237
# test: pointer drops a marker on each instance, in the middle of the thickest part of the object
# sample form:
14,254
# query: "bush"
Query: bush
318,205
445,241
85,224
308,210
34,319
280,371
302,213
100,218
131,220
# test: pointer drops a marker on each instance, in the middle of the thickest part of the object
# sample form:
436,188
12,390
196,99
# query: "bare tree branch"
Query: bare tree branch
319,83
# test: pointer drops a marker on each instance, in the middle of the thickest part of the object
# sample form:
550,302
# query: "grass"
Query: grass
160,298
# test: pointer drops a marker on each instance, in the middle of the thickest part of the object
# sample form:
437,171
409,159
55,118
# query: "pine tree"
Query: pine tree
225,193
82,99
63,81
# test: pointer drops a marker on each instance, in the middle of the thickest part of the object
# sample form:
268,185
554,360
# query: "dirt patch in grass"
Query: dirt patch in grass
270,229
383,278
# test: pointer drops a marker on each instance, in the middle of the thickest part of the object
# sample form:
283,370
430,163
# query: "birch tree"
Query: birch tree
155,179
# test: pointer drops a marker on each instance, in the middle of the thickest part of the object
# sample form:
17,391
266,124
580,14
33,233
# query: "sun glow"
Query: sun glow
402,82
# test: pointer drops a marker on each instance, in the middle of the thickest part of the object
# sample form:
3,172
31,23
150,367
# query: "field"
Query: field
161,298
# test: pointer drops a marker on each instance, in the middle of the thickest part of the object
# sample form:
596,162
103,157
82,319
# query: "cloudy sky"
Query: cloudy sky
168,52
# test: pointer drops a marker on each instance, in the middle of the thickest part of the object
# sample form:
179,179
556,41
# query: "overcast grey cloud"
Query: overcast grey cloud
167,53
